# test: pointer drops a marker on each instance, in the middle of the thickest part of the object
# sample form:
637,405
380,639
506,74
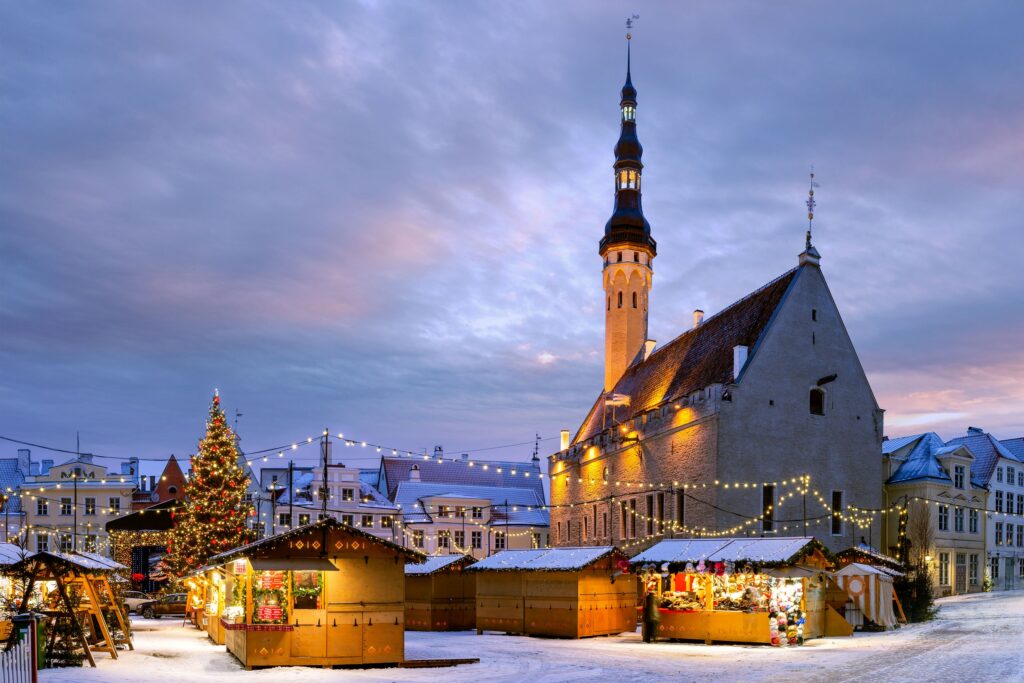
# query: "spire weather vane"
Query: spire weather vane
810,207
629,26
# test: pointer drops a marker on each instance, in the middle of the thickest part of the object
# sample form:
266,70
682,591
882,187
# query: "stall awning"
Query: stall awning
295,564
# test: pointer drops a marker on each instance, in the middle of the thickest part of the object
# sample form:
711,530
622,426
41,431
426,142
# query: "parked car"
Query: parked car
171,605
132,599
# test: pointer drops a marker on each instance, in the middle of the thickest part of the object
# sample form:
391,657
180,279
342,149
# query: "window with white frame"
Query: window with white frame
477,513
1020,535
66,543
90,543
444,511
348,519
284,519
65,506
1020,504
114,503
90,506
1020,478
973,521
444,539
386,522
42,507
972,569
367,522
999,475
999,501
999,533
42,543
460,539
536,540
1009,534
304,519
958,476
476,539
499,540
1011,474
1020,567
958,520
943,517
348,494
417,538
993,568
944,569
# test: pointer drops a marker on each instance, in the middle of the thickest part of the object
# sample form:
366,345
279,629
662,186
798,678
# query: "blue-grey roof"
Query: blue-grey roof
543,559
11,478
524,508
1015,446
919,455
987,450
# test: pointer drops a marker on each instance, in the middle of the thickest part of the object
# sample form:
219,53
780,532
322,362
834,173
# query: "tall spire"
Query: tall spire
810,255
627,225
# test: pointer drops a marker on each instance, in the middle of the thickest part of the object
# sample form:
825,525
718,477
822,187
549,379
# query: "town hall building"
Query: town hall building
718,431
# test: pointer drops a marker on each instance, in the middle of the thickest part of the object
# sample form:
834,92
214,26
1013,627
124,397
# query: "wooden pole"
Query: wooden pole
62,591
122,619
96,609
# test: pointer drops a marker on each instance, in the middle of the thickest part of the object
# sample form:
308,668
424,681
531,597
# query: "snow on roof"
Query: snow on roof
858,569
523,506
434,564
11,554
544,559
756,550
987,450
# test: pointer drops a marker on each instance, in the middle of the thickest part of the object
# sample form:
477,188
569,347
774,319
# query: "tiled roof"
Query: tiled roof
11,478
410,495
1015,446
921,462
695,359
893,445
544,559
496,473
987,450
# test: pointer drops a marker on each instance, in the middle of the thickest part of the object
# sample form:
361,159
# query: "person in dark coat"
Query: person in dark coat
652,617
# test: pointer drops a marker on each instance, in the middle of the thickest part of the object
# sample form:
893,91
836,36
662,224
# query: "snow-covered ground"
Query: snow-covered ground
978,637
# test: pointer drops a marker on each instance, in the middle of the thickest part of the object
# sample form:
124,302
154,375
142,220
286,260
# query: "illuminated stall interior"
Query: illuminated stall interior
323,594
440,595
562,592
774,591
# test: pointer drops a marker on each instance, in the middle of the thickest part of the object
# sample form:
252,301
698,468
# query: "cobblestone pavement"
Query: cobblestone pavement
975,638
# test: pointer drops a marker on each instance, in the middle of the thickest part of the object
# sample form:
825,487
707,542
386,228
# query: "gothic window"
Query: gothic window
817,401
620,299
619,256
628,113
636,257
634,299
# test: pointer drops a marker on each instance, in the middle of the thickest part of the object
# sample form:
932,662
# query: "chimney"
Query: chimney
739,359
152,483
970,430
649,348
85,457
24,461
414,473
45,466
698,318
465,456
438,452
563,440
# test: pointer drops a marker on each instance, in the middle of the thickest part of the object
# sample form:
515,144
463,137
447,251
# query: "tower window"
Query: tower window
620,299
609,303
628,179
628,113
817,401
636,257
619,256
634,299
814,314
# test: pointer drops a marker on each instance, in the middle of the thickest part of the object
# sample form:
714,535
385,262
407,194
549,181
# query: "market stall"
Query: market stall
323,594
871,590
748,590
565,592
440,595
206,601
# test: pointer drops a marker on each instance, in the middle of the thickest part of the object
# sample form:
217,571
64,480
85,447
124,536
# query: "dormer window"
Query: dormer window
628,179
958,476
628,113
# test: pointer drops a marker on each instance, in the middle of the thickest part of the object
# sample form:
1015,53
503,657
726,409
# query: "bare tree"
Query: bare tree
920,532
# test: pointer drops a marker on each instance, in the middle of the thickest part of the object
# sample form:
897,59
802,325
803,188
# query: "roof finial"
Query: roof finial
629,39
810,254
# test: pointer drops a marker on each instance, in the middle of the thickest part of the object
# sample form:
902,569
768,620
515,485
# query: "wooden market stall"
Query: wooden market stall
206,601
324,594
440,595
748,590
564,592
76,586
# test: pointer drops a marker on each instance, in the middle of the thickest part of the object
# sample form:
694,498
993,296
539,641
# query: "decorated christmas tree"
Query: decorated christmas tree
213,517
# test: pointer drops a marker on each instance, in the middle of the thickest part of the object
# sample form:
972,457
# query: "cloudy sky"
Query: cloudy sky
382,217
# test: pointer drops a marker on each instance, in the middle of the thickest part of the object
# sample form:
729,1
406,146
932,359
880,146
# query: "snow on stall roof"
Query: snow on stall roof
543,559
11,553
433,564
724,550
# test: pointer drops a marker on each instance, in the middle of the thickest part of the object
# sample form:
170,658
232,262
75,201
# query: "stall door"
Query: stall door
961,574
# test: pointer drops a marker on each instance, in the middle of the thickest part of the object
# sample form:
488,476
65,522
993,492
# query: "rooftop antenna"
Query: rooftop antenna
536,447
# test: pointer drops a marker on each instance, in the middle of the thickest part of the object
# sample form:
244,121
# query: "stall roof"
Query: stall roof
154,518
90,562
876,556
858,569
11,553
544,559
329,523
753,550
436,564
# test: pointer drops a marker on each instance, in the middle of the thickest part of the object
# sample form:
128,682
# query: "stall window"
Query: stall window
837,513
476,539
767,507
269,597
499,540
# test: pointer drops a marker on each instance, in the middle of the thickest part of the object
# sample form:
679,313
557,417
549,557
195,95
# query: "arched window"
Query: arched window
172,490
634,299
619,256
620,299
636,257
817,401
609,303
628,113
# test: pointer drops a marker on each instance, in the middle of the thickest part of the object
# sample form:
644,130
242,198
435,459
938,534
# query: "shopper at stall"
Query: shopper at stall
652,617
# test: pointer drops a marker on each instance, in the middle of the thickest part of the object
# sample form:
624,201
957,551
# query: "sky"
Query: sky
382,217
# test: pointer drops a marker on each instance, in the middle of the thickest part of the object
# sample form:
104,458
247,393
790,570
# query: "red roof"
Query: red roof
695,359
